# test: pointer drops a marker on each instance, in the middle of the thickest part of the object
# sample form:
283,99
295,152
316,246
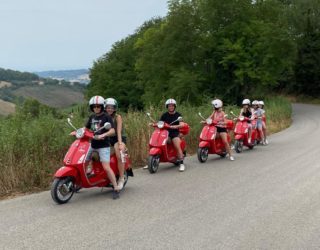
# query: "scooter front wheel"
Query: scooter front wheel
62,189
153,163
238,146
203,154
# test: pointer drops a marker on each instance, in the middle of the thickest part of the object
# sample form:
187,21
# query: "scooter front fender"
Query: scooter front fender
66,171
238,137
155,151
204,144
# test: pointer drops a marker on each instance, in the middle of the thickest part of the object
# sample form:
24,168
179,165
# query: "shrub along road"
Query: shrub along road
267,198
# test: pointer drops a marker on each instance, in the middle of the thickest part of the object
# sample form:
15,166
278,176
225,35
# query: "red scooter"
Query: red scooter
160,149
209,144
73,175
241,134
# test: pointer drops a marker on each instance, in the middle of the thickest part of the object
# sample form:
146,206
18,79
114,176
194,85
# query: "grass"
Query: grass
35,139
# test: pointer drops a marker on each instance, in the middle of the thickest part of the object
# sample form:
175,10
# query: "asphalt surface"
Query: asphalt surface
268,198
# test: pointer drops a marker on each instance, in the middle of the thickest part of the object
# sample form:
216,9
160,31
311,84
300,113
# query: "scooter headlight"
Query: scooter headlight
241,118
160,124
209,121
80,133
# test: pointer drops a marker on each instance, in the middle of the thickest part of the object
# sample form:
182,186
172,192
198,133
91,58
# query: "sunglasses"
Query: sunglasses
96,106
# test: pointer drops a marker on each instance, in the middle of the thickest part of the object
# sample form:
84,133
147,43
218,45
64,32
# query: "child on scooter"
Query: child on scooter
219,116
258,114
246,112
119,139
100,143
264,127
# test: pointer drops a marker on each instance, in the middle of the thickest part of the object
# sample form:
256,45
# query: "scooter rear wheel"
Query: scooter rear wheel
203,154
153,163
62,190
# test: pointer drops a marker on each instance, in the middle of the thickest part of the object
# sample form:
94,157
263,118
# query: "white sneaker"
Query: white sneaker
120,183
145,167
266,142
231,158
182,167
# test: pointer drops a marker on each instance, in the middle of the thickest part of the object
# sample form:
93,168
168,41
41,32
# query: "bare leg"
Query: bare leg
112,178
120,164
176,143
224,138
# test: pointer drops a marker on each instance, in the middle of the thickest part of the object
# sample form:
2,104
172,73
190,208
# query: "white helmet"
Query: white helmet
217,103
96,100
171,101
255,102
246,102
261,103
111,102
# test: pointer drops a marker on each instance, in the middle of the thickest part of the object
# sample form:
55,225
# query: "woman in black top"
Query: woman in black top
247,112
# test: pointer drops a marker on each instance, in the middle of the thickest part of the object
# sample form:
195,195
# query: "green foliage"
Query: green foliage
11,75
213,48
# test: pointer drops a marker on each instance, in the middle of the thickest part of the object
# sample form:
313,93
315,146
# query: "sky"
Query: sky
40,35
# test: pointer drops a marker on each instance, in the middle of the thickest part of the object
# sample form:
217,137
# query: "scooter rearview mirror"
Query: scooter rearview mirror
149,115
69,122
201,116
180,118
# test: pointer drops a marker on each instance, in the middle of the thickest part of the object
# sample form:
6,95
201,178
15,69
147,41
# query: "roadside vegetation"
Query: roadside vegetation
35,139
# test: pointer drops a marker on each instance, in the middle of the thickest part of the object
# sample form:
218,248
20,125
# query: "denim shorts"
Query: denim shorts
104,154
259,124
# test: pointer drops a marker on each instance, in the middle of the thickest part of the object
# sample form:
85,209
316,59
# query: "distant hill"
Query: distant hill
77,75
15,85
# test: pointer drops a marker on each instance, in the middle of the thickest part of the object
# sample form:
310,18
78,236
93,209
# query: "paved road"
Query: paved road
269,198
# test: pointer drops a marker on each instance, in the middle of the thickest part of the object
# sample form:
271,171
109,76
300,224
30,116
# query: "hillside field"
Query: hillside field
6,108
54,96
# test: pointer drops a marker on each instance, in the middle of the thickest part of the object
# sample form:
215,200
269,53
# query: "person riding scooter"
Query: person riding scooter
118,141
219,117
100,143
171,117
168,117
258,114
246,112
264,122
